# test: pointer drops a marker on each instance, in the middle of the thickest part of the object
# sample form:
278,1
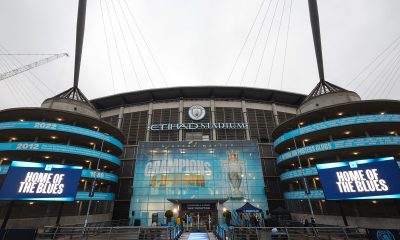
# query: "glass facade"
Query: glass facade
228,173
259,116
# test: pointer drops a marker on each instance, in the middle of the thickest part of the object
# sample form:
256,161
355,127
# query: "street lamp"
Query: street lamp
91,193
307,190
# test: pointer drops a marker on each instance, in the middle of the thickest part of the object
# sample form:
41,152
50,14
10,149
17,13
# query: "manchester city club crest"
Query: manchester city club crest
197,112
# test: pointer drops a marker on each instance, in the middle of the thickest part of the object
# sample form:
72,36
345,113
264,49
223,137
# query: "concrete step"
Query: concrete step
194,236
185,236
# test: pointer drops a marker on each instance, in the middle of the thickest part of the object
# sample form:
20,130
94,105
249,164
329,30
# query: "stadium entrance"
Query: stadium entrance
199,215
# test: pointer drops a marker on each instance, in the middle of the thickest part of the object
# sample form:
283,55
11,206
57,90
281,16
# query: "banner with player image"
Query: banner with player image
204,170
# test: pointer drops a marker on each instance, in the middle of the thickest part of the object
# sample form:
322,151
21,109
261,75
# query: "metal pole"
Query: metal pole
345,233
55,233
8,213
305,186
342,213
304,180
91,193
198,221
209,222
60,208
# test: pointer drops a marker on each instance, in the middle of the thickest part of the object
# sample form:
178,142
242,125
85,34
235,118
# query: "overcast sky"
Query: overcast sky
197,42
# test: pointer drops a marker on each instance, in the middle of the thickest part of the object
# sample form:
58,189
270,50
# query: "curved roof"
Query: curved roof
194,92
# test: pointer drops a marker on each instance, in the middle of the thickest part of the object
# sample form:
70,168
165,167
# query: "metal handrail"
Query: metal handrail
282,232
167,232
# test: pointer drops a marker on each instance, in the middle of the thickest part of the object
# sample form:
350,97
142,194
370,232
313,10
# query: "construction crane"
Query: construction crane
32,65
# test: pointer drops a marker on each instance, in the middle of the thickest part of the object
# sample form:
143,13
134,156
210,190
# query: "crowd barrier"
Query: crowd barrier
103,233
293,233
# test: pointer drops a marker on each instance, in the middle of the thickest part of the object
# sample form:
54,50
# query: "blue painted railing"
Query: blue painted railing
98,196
346,121
341,144
61,128
298,173
314,194
59,148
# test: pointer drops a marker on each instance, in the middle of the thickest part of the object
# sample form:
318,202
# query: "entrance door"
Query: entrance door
201,216
200,221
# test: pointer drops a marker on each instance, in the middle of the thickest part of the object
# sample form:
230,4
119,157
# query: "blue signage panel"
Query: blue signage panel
361,179
61,128
338,123
314,194
341,144
98,196
99,175
40,182
305,172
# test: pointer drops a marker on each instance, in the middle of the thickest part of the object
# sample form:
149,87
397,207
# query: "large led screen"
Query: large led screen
361,179
40,182
228,173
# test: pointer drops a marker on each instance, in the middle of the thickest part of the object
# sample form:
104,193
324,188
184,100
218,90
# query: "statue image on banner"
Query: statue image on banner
235,171
195,174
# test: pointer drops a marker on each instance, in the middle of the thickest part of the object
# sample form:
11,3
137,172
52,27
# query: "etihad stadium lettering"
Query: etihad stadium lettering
193,126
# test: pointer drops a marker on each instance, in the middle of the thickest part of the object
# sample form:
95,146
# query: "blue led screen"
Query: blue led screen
40,182
361,179
166,173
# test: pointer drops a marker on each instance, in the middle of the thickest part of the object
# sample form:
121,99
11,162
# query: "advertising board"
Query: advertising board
200,172
40,182
376,178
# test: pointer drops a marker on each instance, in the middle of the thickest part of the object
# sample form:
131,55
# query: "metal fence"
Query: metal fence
112,223
100,233
294,233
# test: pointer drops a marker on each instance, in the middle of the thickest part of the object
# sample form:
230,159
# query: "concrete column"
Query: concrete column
120,117
149,119
180,119
275,113
212,108
244,111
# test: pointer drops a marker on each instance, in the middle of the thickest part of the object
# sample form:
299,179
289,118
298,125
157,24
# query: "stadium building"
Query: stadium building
335,128
201,151
66,130
197,150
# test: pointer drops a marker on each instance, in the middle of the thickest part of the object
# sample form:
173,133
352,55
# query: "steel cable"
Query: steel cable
255,43
107,47
245,41
286,43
